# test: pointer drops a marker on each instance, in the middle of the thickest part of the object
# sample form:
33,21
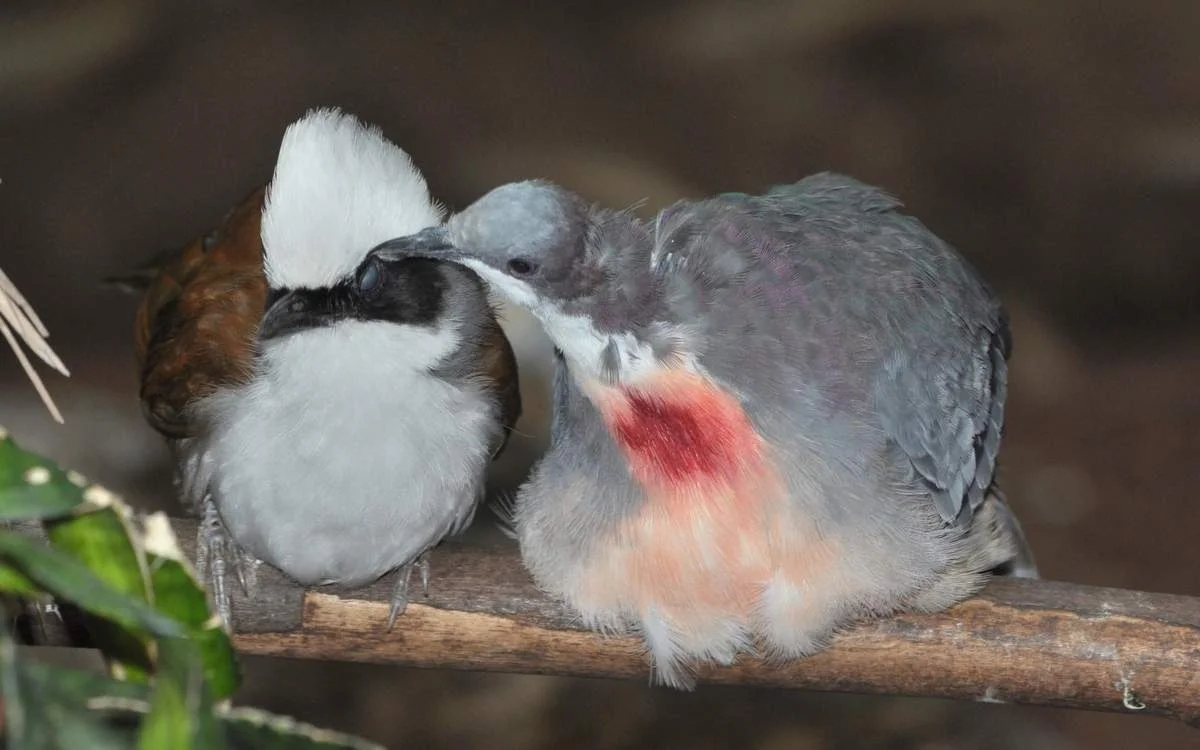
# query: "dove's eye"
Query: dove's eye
368,279
521,267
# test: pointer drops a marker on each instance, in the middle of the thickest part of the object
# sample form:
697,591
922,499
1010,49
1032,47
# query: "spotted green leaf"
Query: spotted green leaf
33,487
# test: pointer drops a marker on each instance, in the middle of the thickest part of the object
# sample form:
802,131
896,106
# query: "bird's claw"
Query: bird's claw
423,565
215,550
400,592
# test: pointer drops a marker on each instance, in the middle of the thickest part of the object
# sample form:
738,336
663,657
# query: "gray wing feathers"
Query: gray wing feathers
995,426
860,268
942,386
846,194
942,401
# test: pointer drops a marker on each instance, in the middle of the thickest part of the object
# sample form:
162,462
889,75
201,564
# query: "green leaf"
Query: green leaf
181,711
60,708
69,580
168,724
48,707
177,593
84,685
69,708
13,581
100,535
100,563
33,487
249,727
219,660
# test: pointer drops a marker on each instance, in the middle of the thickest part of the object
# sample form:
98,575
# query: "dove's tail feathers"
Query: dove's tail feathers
1021,563
995,545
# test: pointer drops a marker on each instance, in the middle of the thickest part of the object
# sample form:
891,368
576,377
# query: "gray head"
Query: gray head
527,239
582,271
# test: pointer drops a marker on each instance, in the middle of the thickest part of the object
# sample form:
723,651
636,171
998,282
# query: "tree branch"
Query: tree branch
1031,642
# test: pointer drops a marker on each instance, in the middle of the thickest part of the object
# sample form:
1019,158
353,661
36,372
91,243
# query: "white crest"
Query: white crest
339,189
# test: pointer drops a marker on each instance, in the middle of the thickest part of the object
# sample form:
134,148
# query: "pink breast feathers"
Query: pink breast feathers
697,553
716,554
680,432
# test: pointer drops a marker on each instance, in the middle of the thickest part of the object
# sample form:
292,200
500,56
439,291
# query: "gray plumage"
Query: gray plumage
866,353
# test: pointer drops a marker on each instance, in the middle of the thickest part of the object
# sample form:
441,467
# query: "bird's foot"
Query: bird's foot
400,592
216,553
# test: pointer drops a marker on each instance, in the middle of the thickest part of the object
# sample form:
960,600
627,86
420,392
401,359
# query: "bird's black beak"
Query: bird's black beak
292,310
432,243
285,313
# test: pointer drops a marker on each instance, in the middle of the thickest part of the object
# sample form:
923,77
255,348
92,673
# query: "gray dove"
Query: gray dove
775,414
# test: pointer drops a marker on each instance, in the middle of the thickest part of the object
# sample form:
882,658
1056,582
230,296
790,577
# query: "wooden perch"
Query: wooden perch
1031,642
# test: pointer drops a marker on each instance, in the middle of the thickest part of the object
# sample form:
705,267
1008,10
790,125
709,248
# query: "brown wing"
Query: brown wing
500,364
196,322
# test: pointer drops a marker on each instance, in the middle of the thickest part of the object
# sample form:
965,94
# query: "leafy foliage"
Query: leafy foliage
171,662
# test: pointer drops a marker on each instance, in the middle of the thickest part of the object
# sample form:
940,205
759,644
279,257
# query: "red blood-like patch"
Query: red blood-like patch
683,433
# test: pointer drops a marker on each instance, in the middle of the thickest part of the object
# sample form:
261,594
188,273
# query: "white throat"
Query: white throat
352,353
590,353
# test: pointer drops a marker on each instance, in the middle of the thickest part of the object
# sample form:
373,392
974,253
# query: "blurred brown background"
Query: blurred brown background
1056,144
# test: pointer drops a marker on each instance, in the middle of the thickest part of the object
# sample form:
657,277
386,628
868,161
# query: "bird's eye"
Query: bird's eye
521,267
369,278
